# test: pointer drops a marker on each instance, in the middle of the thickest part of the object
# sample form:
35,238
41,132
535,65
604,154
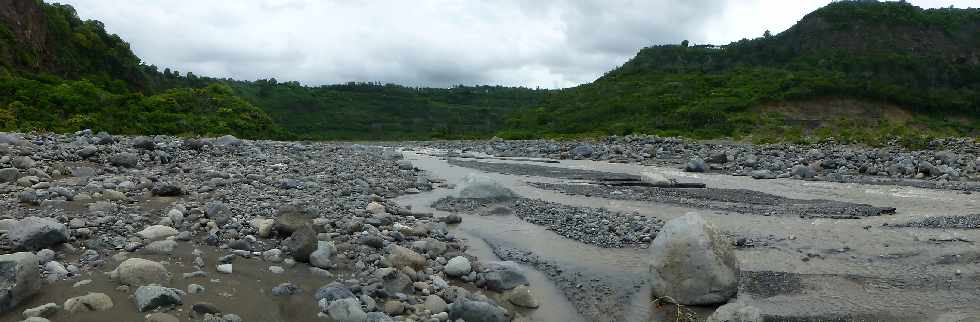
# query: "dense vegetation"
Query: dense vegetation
60,73
376,111
926,61
52,104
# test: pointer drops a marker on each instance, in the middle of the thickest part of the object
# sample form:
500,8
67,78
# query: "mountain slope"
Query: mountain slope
927,62
61,74
359,111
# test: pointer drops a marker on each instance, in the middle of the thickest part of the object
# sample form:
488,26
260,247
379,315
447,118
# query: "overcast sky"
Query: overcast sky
429,42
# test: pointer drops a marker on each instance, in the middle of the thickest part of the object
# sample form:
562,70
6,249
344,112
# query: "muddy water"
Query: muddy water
858,267
246,293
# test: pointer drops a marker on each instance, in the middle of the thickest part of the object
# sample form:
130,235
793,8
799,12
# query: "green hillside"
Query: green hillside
387,112
924,62
856,70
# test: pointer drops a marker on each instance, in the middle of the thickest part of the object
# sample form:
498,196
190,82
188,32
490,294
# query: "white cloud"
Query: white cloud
427,42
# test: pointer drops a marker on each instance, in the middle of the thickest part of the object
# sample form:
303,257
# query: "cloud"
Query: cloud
426,42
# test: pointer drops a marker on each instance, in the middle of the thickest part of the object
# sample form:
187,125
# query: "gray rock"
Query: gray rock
35,319
482,187
583,151
763,174
401,257
87,151
83,172
33,233
286,289
218,212
333,291
9,175
124,159
344,310
227,140
502,276
45,310
290,218
521,296
695,165
435,304
150,297
393,280
144,143
735,312
301,244
692,263
202,308
371,240
161,247
138,271
657,179
19,279
88,303
157,232
458,266
405,165
167,190
55,270
802,172
195,289
22,163
323,256
926,168
226,268
476,311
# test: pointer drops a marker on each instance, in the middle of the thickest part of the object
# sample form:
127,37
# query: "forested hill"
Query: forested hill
855,70
59,73
906,70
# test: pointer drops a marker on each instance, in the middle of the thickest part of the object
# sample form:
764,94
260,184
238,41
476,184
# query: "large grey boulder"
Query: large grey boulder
19,279
475,186
476,311
138,271
157,232
736,312
401,256
343,310
89,302
323,256
9,175
802,172
124,159
33,233
227,140
692,263
657,179
458,266
502,276
150,297
695,165
583,151
22,163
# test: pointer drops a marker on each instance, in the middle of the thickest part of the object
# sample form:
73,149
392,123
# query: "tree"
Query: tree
767,34
685,43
